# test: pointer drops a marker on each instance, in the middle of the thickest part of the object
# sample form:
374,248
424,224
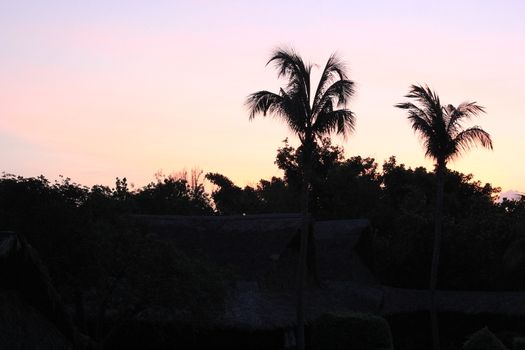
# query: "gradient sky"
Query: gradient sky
93,90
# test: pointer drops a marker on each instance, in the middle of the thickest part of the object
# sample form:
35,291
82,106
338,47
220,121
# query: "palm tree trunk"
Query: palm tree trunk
438,230
301,269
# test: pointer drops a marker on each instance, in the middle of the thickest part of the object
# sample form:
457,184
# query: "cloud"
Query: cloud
510,195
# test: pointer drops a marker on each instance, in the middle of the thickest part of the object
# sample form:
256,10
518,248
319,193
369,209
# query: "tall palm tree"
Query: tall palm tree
310,117
440,128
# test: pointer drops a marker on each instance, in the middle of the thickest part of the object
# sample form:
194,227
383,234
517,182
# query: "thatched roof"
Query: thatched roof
254,244
335,242
250,308
251,244
246,244
23,327
30,305
398,300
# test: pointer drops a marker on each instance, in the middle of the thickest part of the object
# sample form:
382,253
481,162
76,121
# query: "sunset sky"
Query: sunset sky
93,90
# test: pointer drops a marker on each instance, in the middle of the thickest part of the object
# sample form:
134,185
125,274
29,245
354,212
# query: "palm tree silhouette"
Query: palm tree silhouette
440,128
310,117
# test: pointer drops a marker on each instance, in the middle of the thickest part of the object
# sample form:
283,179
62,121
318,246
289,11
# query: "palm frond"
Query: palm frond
334,70
472,137
413,109
420,124
426,97
440,126
465,111
338,94
282,106
470,109
341,121
294,113
263,102
292,104
291,66
430,103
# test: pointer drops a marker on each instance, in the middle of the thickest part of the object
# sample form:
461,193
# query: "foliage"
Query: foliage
399,201
132,273
513,213
273,196
440,127
93,256
277,196
231,199
101,265
477,230
309,117
172,196
518,343
483,339
340,188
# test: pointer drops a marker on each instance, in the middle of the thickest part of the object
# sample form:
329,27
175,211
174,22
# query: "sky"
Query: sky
95,90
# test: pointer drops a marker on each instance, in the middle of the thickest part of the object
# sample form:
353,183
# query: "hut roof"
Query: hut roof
398,300
249,307
23,327
335,242
252,308
29,301
252,241
246,244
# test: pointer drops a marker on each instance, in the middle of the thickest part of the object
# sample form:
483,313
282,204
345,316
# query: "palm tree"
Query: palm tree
444,138
310,117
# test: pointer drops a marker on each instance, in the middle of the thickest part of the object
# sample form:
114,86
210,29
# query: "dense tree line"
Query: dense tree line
400,202
103,266
85,239
62,218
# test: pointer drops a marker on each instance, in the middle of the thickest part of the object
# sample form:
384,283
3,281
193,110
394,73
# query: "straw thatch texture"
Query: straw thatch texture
260,245
22,327
247,245
263,251
251,308
399,300
338,260
31,316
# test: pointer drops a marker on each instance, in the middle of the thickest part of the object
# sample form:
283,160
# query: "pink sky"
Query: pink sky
95,91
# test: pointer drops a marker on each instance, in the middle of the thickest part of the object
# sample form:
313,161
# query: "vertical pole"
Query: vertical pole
301,269
438,231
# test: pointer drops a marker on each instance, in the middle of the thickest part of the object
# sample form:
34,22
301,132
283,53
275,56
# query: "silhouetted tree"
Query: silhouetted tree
324,158
310,117
352,190
170,195
231,199
340,188
476,230
103,267
444,138
276,196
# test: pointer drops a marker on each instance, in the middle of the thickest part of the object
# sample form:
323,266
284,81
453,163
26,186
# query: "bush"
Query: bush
518,343
483,339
